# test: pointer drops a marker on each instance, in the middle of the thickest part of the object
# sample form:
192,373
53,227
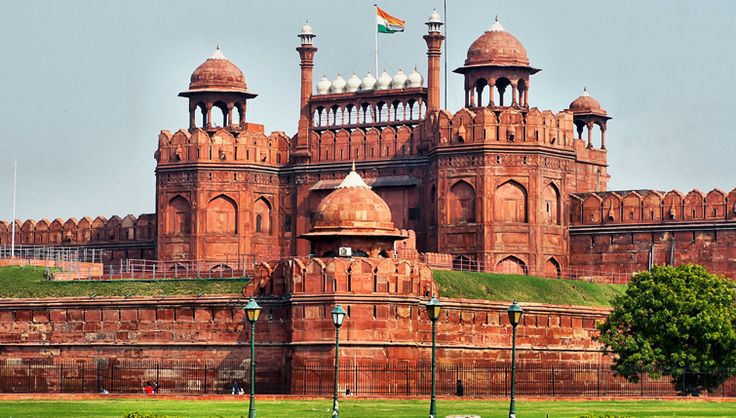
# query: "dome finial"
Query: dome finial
353,180
353,169
496,26
585,92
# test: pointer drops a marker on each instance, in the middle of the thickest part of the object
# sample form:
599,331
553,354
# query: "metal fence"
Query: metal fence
63,254
363,379
243,266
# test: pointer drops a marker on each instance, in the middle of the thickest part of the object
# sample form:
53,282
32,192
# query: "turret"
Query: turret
434,40
306,56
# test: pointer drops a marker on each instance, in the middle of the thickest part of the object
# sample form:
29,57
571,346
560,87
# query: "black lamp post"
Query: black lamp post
515,313
338,315
252,311
433,311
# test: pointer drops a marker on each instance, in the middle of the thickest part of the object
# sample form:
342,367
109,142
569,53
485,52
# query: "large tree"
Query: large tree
676,321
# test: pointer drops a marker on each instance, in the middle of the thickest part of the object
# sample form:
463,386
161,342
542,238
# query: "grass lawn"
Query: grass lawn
363,408
457,284
27,282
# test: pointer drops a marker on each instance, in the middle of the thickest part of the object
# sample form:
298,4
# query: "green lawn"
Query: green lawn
363,408
27,282
456,284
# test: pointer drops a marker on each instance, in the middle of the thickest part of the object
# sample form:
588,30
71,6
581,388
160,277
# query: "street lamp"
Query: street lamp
252,310
338,315
515,313
433,311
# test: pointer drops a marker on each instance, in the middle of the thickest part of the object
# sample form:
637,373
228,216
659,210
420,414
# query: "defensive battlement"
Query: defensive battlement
250,146
651,207
82,232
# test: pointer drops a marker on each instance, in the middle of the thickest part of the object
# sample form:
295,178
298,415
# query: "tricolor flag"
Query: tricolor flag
387,23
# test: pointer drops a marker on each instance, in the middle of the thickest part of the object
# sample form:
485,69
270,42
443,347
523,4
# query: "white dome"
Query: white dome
353,84
323,86
369,82
307,29
414,79
399,80
338,85
384,81
434,17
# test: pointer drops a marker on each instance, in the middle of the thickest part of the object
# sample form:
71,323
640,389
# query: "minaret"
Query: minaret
434,38
306,55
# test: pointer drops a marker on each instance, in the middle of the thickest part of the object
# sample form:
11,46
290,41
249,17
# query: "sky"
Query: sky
86,85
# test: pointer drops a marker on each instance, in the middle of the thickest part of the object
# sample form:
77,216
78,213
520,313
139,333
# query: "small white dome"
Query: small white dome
338,85
353,84
415,79
307,29
435,17
217,55
323,86
399,80
369,82
384,81
496,26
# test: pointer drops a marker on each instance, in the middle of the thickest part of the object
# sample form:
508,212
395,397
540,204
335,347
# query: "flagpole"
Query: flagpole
375,32
445,83
12,238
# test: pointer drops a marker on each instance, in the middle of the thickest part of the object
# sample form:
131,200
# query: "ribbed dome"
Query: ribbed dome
497,47
384,81
218,73
368,83
353,206
338,85
399,80
323,85
414,79
353,84
586,103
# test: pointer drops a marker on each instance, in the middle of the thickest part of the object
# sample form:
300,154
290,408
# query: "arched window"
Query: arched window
551,268
510,203
262,211
222,216
511,265
551,205
462,203
178,215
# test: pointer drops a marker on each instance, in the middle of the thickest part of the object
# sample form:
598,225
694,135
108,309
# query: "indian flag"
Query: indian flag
387,23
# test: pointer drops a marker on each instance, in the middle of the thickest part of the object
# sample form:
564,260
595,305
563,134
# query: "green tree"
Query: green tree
676,321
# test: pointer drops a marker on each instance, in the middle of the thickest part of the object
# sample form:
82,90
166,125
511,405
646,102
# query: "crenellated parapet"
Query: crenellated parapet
652,207
83,232
221,146
360,145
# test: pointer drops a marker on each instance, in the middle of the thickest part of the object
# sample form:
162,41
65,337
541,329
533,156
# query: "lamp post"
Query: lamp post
433,311
515,313
338,315
252,310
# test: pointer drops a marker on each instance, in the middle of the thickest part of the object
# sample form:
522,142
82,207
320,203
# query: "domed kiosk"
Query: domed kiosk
217,83
497,60
588,112
353,221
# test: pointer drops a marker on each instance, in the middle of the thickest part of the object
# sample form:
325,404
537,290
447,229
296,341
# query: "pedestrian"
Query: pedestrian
155,388
460,390
148,388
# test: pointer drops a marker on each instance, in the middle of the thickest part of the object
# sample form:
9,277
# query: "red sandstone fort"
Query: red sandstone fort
377,168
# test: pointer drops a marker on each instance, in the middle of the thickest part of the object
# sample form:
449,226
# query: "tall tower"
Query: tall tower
434,38
306,51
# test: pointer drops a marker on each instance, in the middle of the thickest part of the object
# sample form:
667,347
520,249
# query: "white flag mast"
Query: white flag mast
12,238
375,33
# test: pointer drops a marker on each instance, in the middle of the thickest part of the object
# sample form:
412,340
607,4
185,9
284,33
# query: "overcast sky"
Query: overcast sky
85,86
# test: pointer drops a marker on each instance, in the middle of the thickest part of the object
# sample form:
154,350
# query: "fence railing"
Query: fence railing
243,266
52,253
362,379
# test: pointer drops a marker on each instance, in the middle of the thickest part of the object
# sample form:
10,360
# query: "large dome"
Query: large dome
497,47
585,103
353,207
219,74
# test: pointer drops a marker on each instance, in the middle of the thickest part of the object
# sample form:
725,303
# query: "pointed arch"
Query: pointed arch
511,265
552,268
222,215
262,212
462,203
551,202
178,215
510,202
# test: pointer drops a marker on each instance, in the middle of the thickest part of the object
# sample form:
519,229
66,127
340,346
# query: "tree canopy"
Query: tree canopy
676,321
